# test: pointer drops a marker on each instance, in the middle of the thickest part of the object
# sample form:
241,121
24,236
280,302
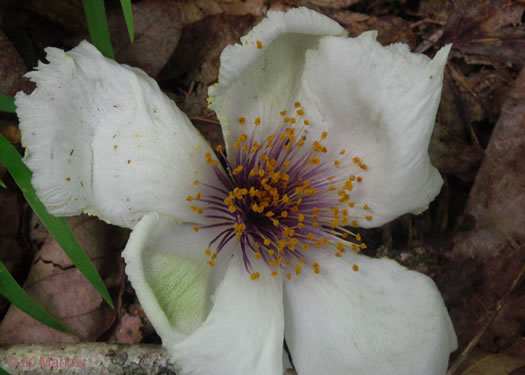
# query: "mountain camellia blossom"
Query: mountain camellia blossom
234,251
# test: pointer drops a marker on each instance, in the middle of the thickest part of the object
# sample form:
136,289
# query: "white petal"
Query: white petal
381,320
102,138
244,331
379,104
167,267
261,82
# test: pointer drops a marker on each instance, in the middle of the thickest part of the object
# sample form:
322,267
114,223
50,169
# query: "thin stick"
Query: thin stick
488,321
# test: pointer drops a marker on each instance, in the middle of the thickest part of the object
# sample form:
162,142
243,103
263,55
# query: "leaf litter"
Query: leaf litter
471,241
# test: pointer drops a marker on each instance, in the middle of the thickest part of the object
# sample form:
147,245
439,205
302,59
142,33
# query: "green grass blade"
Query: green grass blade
7,103
57,226
14,293
98,26
128,16
2,184
3,372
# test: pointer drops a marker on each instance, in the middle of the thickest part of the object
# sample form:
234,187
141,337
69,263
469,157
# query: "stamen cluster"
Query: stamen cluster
282,197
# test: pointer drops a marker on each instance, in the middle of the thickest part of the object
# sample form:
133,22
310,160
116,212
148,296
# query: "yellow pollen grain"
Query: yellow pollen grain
189,198
300,112
207,252
257,255
289,276
297,104
198,196
237,170
362,246
274,273
355,267
365,207
259,44
284,214
257,121
211,263
254,276
266,242
316,268
283,113
358,237
298,269
353,223
306,122
196,228
275,222
196,182
242,120
305,246
356,160
359,179
219,148
369,218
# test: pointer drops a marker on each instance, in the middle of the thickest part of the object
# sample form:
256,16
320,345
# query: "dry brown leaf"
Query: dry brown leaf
496,205
67,13
390,29
489,28
196,10
157,32
127,331
480,363
60,288
12,68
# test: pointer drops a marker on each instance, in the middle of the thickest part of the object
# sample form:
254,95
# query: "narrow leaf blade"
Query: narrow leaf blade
128,16
57,226
7,103
14,293
98,26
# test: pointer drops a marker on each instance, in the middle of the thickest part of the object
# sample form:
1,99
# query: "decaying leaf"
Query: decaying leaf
496,203
390,29
488,28
63,291
481,363
157,33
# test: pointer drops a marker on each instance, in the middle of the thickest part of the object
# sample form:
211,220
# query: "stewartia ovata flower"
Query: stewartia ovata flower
232,252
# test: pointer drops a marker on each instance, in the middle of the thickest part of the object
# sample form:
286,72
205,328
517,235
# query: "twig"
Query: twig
87,358
488,321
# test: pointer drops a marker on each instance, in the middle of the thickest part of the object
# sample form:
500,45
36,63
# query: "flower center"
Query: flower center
283,197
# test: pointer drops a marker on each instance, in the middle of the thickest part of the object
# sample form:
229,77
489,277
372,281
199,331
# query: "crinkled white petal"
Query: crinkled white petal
381,320
260,82
378,104
243,333
167,266
102,138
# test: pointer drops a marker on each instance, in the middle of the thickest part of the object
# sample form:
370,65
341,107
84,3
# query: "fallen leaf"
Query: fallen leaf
157,32
127,331
481,363
496,205
12,68
390,29
62,290
488,28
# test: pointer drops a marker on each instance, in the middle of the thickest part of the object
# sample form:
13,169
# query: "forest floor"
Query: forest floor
471,241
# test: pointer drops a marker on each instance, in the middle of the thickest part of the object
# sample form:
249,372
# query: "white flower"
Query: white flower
230,255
